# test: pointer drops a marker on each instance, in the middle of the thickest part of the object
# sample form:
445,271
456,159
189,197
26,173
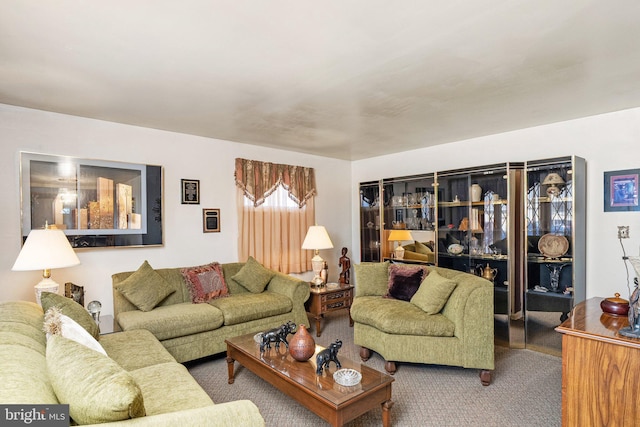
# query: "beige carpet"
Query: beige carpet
526,390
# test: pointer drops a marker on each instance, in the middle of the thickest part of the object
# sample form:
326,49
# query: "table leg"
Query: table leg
230,362
386,413
318,319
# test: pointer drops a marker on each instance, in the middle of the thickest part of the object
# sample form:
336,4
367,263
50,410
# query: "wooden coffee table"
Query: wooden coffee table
332,402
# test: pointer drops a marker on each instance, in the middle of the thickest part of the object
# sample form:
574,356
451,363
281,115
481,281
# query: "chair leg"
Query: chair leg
485,377
365,354
390,367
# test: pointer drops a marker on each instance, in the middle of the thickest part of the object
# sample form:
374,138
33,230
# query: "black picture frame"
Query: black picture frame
210,220
190,191
621,190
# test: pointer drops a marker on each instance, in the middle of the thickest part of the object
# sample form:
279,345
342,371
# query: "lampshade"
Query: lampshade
400,235
45,250
317,238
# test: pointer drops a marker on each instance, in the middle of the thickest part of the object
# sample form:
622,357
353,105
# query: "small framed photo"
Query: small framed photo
210,220
190,191
621,190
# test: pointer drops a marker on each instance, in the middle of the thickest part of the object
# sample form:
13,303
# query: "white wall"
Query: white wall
607,142
182,156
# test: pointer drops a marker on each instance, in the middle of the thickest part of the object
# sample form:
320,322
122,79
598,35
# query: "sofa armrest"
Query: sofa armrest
236,413
296,289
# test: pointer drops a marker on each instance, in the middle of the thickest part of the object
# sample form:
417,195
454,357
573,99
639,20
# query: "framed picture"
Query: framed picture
97,203
210,220
74,292
621,190
190,191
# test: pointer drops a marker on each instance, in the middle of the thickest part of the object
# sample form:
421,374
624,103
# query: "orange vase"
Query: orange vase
302,345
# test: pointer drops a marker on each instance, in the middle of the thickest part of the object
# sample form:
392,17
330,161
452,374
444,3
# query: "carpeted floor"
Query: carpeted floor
526,390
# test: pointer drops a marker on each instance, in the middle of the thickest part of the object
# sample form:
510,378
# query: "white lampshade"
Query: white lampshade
45,250
317,238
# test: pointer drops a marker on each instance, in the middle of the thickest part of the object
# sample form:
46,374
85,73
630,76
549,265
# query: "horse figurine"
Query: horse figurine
277,335
328,355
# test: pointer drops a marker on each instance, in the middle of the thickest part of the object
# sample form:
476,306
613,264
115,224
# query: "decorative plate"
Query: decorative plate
553,245
455,249
347,377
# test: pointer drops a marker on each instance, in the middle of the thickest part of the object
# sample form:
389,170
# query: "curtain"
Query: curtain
274,223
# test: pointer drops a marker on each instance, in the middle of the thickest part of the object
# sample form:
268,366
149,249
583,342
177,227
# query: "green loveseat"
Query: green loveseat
460,334
190,331
37,371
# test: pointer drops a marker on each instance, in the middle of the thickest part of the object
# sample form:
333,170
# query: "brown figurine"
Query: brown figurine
345,263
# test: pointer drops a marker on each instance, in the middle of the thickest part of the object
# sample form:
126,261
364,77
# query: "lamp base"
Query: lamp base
317,264
46,285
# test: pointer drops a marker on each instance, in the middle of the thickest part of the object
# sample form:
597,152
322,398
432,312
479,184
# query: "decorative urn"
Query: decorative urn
302,345
615,305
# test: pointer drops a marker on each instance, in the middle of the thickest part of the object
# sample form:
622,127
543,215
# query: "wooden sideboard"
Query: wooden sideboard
600,369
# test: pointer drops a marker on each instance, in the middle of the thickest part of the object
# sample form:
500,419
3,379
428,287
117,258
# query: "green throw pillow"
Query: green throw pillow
145,288
421,248
97,389
372,278
253,276
433,293
72,309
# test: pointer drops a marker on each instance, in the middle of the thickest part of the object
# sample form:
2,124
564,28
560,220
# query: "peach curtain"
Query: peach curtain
271,227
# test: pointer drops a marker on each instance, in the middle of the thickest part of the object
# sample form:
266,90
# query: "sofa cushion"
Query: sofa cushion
433,293
404,281
421,248
22,319
135,349
372,278
145,288
395,316
23,376
56,323
96,388
72,309
246,307
168,387
173,321
254,276
205,282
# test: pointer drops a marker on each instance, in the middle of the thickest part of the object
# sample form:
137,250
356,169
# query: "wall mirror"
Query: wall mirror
96,203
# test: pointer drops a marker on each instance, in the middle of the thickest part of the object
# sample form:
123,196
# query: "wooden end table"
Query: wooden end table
323,300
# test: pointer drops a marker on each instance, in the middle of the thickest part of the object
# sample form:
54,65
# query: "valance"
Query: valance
258,180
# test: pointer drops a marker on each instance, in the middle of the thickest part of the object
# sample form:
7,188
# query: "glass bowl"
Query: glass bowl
347,377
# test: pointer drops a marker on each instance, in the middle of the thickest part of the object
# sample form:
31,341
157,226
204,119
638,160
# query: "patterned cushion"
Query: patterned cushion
254,276
145,288
434,292
372,278
404,281
96,388
72,309
205,282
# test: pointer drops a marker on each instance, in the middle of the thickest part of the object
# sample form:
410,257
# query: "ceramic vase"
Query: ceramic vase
302,345
476,192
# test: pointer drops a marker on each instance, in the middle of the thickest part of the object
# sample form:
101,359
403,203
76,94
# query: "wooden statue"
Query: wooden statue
345,263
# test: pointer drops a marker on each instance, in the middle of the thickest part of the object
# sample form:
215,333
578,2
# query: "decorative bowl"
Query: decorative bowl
553,245
455,249
347,377
615,305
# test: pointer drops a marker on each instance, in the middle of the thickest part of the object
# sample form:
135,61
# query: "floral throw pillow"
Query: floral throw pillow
205,282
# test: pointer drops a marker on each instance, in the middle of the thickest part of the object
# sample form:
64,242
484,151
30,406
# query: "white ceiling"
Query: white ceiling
349,79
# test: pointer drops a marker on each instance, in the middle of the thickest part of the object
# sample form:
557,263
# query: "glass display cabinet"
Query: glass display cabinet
478,216
555,230
370,216
409,204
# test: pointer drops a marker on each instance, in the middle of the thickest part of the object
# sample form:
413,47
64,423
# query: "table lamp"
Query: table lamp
45,250
399,236
317,238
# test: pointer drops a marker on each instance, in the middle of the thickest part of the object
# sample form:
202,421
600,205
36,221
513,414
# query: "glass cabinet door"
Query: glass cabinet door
479,212
370,221
555,221
409,204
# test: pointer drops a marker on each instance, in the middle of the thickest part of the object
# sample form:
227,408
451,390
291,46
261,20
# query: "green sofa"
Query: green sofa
460,334
37,371
190,331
